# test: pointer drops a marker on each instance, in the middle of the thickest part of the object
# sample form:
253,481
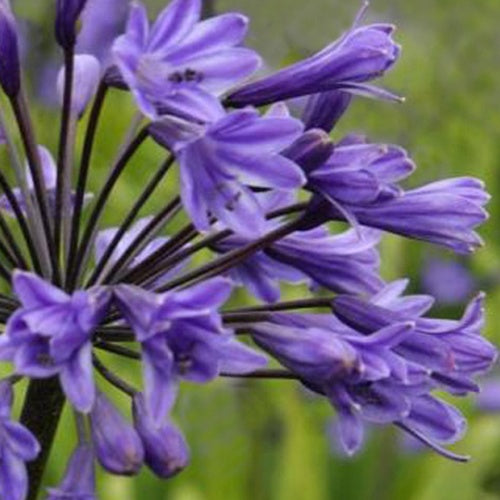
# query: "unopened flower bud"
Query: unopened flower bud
87,72
10,73
68,12
166,451
117,445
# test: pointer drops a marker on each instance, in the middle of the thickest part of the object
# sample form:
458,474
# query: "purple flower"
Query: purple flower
180,52
360,55
361,174
346,262
166,451
67,14
49,173
182,336
444,213
453,350
17,446
85,80
10,72
359,183
79,479
51,334
220,155
448,281
359,375
117,445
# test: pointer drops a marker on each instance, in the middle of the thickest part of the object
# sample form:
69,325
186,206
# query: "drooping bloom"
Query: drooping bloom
221,155
379,360
67,15
79,478
453,350
182,336
180,52
359,56
85,80
10,70
360,183
166,451
17,446
346,262
51,334
117,445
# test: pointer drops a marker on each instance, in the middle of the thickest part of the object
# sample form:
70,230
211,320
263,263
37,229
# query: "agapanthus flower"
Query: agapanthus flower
180,52
17,446
182,336
264,199
359,56
360,183
221,155
376,361
51,335
345,262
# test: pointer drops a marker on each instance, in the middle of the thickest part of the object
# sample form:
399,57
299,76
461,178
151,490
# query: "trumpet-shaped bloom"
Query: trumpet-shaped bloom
51,334
221,155
182,337
361,55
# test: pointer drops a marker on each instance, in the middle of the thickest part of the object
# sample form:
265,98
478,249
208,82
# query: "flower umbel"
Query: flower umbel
258,191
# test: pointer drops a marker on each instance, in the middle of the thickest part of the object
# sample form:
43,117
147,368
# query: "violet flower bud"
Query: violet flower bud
310,150
79,479
86,76
166,451
10,73
67,14
117,445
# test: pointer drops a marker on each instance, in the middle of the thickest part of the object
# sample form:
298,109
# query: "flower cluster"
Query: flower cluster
260,188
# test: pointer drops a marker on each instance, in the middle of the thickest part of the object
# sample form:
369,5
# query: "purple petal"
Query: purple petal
21,441
173,24
77,379
34,292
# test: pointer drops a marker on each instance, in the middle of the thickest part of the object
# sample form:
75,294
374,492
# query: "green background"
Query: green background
269,440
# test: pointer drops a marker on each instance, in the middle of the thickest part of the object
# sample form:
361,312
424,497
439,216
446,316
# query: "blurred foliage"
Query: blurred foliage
269,440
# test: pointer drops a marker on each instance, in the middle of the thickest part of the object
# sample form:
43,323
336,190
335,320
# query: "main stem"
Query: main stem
41,412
